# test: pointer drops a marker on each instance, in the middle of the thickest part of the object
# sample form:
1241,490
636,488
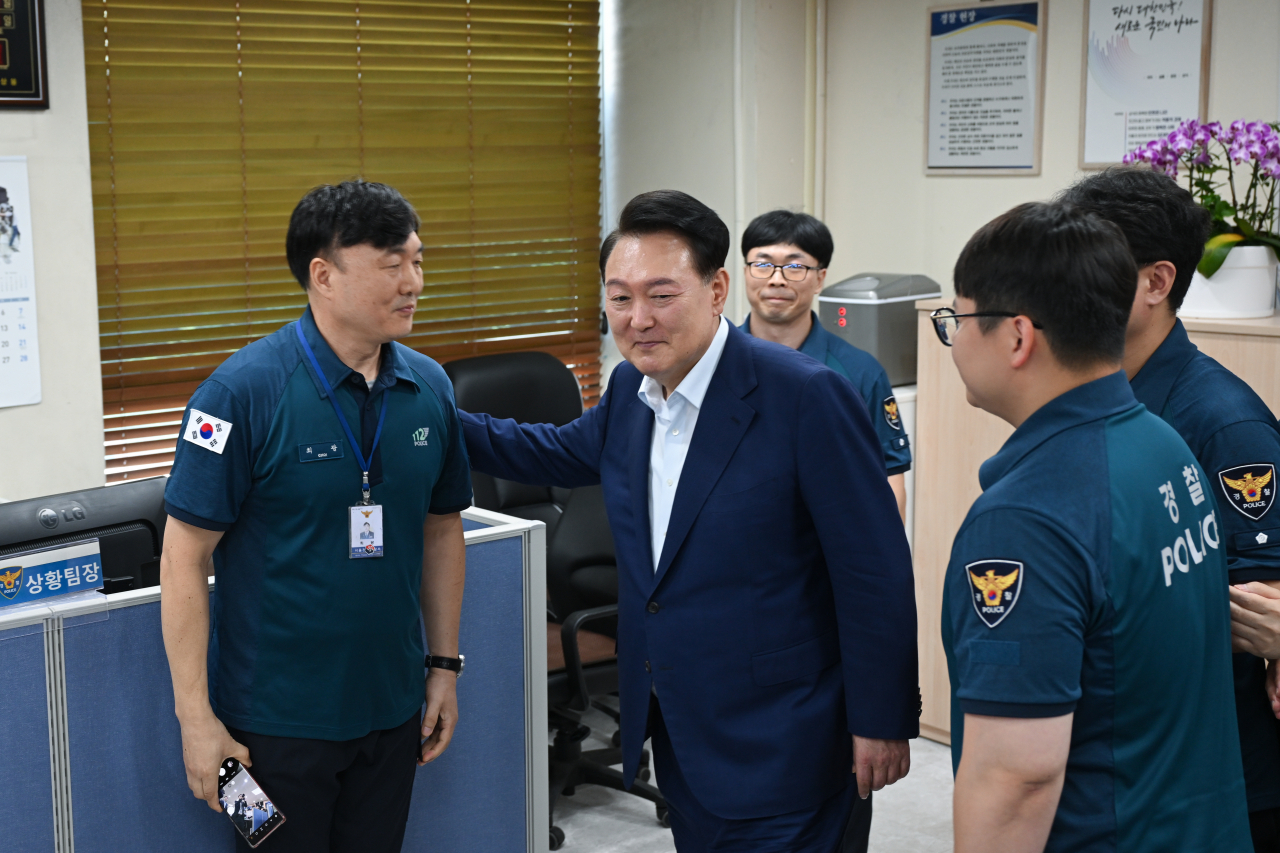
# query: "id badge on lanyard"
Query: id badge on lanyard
364,520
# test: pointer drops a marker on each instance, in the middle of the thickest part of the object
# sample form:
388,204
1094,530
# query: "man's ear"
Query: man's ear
321,271
719,285
1156,280
1024,339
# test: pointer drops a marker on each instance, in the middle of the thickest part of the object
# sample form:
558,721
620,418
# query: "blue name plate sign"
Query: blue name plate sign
52,572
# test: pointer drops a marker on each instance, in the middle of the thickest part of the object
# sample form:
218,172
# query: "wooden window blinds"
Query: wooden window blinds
209,119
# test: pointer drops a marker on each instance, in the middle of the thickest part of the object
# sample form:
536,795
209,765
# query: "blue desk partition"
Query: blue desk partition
26,789
123,754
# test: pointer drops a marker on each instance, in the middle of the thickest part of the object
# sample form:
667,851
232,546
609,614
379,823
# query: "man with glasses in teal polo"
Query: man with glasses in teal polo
1084,614
787,255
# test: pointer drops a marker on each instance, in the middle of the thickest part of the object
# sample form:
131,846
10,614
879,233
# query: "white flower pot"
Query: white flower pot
1244,286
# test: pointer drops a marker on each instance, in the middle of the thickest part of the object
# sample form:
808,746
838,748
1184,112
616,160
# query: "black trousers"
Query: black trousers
336,796
858,832
1264,826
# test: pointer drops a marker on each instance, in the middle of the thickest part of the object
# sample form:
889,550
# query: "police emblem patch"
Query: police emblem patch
994,586
1249,488
891,412
10,581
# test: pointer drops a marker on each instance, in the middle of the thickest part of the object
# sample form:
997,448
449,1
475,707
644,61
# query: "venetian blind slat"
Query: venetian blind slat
206,128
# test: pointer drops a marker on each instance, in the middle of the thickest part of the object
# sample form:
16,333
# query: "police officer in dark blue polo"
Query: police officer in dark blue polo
1085,617
787,255
322,469
1224,422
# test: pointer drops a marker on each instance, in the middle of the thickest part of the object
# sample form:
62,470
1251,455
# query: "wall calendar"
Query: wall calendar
19,346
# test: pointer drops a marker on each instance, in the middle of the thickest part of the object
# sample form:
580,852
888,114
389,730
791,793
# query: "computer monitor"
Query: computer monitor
127,520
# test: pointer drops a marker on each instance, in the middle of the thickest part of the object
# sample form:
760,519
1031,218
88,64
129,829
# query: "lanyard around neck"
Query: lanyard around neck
365,464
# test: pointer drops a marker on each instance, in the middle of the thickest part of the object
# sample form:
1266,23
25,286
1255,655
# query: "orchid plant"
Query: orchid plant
1217,159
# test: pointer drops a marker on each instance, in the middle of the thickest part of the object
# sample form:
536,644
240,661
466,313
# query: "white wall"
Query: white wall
56,446
707,97
886,215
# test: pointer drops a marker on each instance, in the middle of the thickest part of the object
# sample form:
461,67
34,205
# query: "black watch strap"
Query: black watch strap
457,664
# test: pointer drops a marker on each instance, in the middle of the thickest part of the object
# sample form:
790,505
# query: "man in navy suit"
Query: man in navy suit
767,622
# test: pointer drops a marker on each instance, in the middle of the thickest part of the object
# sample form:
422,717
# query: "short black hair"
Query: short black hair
671,210
1066,268
338,217
1160,219
787,226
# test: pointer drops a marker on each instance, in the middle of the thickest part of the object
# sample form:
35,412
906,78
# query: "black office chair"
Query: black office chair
582,574
582,582
532,387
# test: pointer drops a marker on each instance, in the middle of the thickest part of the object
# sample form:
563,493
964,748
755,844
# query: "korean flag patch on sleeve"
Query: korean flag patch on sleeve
206,431
994,586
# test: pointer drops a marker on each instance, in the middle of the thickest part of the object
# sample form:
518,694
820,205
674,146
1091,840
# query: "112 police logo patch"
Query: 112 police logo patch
994,586
891,412
10,581
1249,488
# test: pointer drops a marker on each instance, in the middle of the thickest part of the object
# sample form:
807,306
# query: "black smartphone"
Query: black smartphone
251,811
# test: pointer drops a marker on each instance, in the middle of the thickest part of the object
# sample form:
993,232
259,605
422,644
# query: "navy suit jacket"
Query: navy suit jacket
782,614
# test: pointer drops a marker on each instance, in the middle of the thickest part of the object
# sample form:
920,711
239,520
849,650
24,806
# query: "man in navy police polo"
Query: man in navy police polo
766,627
1085,615
787,255
1227,426
315,666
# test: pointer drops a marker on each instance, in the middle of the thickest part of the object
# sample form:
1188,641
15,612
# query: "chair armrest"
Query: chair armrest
572,657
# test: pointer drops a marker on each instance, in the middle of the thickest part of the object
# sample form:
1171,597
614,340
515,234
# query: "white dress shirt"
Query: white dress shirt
674,420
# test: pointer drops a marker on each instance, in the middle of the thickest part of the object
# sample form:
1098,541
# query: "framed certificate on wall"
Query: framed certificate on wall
1145,70
984,102
24,76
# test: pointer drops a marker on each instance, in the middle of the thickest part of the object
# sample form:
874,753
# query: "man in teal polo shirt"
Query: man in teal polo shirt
787,255
322,469
1084,614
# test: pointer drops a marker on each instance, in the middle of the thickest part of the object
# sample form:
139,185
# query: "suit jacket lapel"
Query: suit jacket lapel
722,422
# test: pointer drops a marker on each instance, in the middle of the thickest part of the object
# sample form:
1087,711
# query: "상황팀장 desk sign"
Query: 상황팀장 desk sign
34,575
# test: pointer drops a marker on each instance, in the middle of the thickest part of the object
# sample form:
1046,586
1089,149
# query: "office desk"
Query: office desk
953,439
93,754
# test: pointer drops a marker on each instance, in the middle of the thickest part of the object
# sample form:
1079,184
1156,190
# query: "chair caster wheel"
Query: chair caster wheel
643,774
664,818
557,838
616,740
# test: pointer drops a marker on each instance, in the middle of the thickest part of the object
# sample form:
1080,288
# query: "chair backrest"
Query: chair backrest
531,387
582,569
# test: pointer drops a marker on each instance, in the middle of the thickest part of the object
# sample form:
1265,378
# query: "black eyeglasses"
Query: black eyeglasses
946,321
791,272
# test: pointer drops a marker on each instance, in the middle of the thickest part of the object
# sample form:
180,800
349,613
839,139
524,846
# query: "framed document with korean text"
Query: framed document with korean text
1145,71
984,102
24,76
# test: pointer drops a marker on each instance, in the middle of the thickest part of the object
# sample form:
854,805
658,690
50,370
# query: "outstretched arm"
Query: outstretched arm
538,454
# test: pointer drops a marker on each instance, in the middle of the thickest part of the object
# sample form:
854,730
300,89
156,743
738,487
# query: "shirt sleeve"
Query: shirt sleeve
452,490
206,488
887,421
1019,601
1251,528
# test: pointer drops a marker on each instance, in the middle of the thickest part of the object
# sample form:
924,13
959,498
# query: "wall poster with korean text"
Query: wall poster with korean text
985,92
1146,70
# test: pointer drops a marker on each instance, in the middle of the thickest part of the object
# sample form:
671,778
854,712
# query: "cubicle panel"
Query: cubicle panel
473,798
128,787
26,790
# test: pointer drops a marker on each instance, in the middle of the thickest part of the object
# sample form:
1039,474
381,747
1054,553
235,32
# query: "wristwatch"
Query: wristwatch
456,665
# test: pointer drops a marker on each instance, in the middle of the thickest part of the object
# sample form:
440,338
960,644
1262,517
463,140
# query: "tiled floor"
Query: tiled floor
913,816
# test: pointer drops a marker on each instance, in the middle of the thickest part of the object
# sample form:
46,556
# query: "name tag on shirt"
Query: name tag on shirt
365,526
320,450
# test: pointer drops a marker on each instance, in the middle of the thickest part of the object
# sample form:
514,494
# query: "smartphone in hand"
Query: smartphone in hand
251,811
